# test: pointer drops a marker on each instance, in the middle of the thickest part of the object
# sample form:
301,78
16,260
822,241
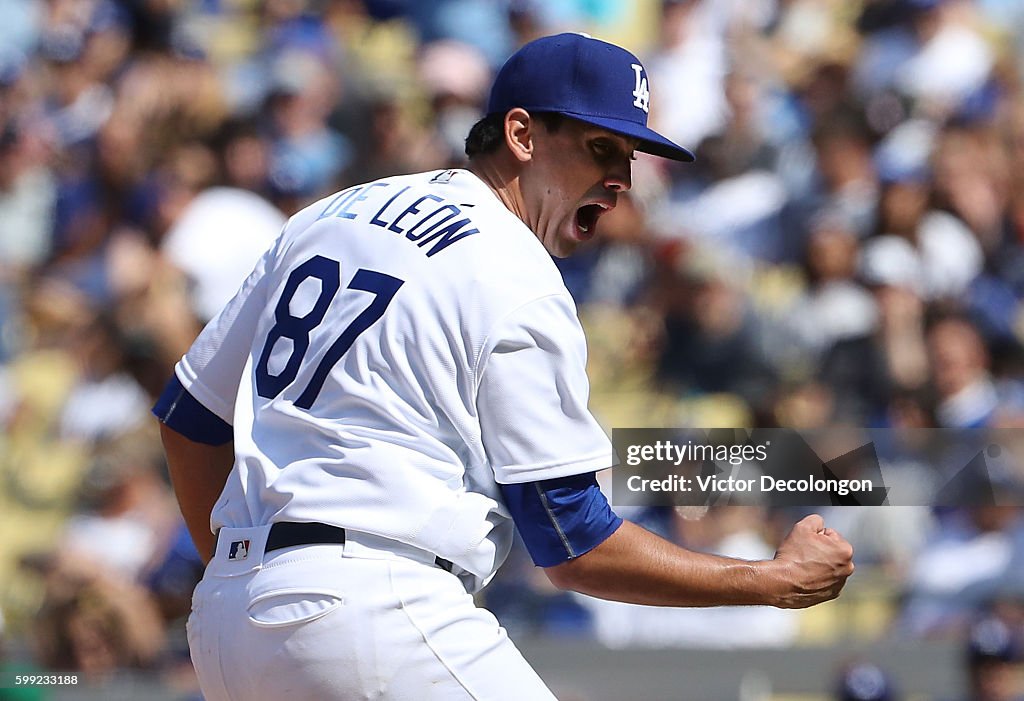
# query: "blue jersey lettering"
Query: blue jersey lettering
448,235
376,220
338,202
411,209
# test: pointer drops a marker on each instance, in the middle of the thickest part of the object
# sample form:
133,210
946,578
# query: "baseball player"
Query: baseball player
398,384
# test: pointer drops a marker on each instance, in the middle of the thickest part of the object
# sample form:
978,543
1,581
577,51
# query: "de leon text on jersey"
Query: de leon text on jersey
427,220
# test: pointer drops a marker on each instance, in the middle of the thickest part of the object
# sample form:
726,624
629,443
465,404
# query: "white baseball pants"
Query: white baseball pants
370,619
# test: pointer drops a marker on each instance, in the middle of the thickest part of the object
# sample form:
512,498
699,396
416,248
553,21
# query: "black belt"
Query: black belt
286,534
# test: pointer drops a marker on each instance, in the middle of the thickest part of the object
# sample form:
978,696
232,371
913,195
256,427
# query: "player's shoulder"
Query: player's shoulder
507,251
450,219
444,233
487,211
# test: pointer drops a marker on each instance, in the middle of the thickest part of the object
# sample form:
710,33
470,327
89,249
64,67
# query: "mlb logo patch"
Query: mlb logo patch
443,177
239,550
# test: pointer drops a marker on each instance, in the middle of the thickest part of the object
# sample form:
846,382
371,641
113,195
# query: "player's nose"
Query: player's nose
619,177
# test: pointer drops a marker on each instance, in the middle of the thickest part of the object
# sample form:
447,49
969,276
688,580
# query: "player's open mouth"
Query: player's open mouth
587,216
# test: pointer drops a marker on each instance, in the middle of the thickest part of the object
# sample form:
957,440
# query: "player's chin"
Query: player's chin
563,249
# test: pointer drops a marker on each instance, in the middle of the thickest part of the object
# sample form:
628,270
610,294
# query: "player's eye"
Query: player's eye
602,149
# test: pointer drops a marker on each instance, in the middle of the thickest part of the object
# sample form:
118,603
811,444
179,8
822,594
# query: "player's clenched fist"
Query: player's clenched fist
812,564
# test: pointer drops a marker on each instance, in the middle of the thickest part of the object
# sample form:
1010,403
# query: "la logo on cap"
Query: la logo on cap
640,92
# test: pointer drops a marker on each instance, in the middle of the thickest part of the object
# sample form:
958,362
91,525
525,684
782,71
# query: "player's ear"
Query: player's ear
519,134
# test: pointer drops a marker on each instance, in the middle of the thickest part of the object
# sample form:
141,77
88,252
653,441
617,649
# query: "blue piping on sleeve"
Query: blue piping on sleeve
560,519
182,412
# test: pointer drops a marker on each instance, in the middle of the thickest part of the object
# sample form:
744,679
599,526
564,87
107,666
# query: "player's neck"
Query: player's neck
503,181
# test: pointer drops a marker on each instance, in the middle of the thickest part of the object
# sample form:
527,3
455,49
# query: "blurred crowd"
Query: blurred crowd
847,249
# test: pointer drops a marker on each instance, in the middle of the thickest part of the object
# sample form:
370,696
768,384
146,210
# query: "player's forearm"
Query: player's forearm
636,566
198,473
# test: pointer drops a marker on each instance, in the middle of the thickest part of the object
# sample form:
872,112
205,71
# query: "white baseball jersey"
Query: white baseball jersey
403,346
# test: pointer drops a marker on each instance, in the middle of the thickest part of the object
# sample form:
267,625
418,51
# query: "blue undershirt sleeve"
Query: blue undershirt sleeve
560,519
181,411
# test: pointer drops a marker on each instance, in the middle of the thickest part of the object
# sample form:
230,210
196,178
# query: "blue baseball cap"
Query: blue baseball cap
586,79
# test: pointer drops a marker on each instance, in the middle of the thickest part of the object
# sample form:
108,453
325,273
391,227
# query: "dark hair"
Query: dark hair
489,133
